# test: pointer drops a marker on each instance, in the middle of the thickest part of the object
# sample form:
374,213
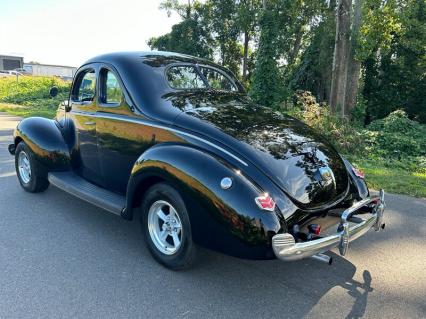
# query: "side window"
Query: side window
111,92
84,88
217,80
184,77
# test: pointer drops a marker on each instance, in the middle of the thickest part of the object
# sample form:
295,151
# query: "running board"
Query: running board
79,187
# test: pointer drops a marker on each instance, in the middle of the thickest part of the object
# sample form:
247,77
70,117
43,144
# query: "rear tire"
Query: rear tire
30,173
166,227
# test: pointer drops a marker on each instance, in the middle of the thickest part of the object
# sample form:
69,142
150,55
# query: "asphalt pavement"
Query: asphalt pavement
62,257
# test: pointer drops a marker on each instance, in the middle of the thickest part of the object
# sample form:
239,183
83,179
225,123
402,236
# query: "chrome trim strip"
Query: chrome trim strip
286,248
140,121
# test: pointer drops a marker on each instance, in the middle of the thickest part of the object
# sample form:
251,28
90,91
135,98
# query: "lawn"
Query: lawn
27,111
393,180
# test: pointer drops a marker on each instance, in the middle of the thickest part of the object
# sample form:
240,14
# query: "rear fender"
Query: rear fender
45,140
227,220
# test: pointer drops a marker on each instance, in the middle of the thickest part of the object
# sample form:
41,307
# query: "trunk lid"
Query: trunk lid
305,166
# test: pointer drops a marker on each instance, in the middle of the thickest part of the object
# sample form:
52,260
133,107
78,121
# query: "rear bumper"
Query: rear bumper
286,248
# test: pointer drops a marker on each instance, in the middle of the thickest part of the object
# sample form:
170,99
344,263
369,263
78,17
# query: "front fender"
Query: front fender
225,220
45,140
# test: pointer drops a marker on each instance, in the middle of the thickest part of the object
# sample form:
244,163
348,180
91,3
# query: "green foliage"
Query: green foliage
265,85
32,94
346,138
187,37
392,151
313,72
395,74
381,23
397,138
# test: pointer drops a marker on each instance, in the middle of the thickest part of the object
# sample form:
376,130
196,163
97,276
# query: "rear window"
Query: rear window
199,77
217,80
185,77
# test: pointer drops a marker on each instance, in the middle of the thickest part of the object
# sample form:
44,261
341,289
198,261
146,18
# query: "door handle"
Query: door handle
90,123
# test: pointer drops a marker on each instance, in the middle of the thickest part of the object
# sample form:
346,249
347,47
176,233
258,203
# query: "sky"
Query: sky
68,32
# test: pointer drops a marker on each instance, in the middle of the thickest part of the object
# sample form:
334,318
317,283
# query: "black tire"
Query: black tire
37,181
183,257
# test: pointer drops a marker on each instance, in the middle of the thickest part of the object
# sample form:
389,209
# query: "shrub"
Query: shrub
346,138
394,142
397,138
33,91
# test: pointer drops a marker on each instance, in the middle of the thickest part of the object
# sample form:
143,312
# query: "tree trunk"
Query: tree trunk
354,65
341,46
245,54
297,44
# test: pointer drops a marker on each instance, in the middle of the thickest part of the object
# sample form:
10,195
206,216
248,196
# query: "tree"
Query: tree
247,20
396,68
313,73
265,87
339,68
189,36
354,62
186,37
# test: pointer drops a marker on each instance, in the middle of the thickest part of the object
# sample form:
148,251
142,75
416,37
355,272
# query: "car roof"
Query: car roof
143,75
152,58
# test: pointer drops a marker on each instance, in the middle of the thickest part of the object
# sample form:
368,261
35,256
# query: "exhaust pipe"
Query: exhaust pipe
323,258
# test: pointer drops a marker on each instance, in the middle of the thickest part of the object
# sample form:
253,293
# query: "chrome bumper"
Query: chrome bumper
286,248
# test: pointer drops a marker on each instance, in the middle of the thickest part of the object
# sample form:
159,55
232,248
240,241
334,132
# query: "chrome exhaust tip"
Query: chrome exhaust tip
323,258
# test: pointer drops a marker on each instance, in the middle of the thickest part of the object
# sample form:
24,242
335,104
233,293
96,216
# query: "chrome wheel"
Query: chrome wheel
165,227
24,167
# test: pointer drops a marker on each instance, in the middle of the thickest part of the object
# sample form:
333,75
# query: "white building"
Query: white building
65,72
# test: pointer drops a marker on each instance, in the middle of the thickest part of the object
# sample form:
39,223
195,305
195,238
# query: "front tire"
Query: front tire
166,227
29,171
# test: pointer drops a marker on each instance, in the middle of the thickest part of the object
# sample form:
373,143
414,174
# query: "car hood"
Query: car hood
292,155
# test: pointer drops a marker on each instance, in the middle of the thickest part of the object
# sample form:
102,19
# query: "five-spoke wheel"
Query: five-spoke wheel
32,176
166,226
24,167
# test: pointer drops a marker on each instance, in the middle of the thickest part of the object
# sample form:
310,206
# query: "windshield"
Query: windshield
193,77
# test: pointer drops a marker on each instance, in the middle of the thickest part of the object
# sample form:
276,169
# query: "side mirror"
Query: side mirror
53,91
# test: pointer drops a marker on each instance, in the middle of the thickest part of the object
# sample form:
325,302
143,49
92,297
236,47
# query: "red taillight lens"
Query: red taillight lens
314,229
265,202
358,173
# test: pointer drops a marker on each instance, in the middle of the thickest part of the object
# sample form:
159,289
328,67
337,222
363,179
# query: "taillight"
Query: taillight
358,173
265,202
314,229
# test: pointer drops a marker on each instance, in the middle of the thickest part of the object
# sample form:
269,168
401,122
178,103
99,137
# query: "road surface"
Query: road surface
62,257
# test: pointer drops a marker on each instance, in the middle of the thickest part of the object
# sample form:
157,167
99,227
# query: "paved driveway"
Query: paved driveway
61,257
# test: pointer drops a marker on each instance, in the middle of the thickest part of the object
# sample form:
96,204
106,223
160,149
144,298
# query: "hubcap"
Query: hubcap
165,227
24,167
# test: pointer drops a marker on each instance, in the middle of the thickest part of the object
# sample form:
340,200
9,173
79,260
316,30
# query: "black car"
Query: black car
176,139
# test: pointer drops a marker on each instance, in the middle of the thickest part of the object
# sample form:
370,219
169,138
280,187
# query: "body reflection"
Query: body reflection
288,151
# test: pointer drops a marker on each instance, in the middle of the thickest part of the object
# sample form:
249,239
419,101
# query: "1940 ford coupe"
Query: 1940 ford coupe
176,139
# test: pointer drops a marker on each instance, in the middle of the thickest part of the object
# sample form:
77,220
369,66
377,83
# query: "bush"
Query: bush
346,138
393,142
33,91
396,138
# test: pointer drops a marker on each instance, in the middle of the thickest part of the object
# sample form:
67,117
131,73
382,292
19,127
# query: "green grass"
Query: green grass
27,111
393,179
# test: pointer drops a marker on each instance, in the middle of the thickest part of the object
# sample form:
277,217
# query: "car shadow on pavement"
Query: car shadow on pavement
303,282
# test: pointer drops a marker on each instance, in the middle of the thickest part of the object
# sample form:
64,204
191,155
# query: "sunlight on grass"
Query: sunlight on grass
27,111
394,180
